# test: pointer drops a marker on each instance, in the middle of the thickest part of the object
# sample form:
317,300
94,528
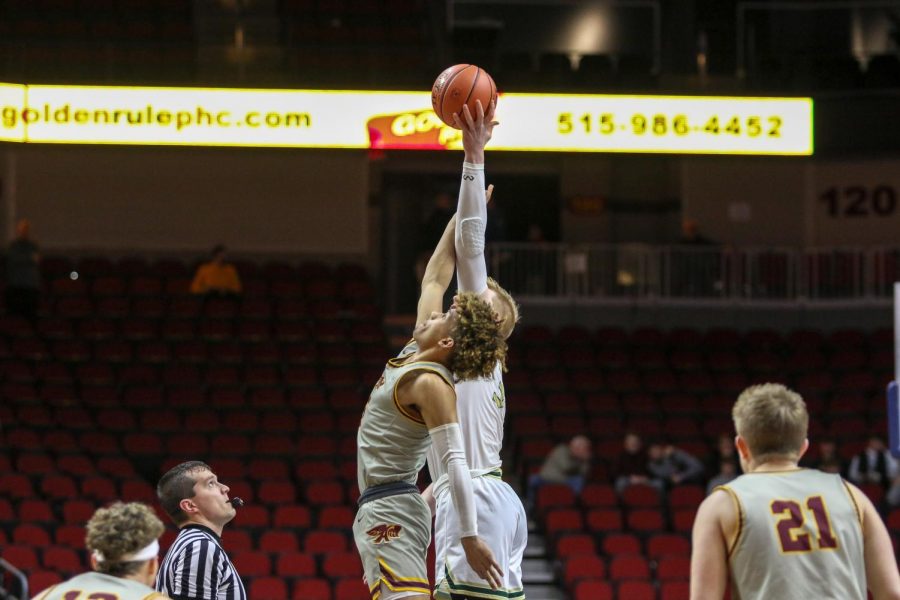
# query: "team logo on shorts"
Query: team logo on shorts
382,534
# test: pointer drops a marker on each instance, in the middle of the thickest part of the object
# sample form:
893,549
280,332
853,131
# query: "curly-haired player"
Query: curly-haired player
413,407
123,542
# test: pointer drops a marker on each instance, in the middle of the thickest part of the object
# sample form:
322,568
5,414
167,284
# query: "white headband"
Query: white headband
146,553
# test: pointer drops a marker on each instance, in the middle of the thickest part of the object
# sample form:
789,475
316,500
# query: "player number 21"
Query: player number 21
793,519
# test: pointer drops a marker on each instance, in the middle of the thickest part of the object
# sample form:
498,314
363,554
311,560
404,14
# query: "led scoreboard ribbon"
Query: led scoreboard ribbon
400,120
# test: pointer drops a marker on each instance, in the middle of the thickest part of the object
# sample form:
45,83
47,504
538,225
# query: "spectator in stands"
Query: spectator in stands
630,466
724,452
873,465
23,275
726,474
567,463
670,466
123,543
828,459
196,565
216,277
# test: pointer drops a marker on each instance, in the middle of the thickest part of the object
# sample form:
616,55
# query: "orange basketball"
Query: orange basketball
461,85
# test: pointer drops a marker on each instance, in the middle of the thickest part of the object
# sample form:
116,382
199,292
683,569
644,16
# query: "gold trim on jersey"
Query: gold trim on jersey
859,513
426,366
397,584
732,546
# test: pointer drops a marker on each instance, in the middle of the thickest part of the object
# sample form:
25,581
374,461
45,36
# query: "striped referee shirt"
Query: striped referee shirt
196,567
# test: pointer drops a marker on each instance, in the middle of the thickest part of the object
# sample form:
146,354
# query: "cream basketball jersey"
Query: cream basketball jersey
799,536
392,441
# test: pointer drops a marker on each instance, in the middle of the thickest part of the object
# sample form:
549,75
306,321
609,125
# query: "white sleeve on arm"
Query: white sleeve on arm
447,442
471,221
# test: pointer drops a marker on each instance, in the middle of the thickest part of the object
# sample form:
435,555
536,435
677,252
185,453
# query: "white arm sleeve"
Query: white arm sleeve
448,444
471,221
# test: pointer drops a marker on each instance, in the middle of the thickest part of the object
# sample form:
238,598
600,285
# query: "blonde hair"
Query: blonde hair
508,322
478,343
773,421
120,529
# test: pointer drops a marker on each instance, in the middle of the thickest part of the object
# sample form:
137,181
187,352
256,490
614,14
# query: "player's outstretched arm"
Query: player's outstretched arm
436,401
472,203
881,565
709,557
438,274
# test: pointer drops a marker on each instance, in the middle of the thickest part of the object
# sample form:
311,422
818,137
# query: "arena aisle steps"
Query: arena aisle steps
538,573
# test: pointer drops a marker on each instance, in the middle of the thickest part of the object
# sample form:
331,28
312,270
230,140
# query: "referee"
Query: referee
196,566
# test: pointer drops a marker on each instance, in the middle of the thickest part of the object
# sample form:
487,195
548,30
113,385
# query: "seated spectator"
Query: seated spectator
726,474
670,466
123,543
873,465
567,463
828,459
725,450
23,276
630,466
216,277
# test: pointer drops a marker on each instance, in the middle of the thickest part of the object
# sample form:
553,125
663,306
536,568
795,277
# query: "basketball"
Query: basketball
461,85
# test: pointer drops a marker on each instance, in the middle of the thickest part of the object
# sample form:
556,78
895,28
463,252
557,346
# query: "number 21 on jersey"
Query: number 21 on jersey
790,529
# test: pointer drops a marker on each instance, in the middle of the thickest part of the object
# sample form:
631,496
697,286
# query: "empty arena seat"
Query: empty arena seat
312,589
583,567
629,567
575,544
270,588
636,590
294,565
252,564
593,589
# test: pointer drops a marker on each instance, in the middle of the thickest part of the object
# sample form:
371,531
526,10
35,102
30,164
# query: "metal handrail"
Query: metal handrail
19,576
688,272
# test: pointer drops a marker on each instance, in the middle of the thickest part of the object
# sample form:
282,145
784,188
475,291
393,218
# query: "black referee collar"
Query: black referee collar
203,528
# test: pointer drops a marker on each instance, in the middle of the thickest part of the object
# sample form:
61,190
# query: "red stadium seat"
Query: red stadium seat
71,536
575,544
636,590
324,542
277,492
640,496
296,516
78,512
621,544
324,493
64,560
236,540
312,589
336,517
683,520
673,567
252,564
583,567
554,496
278,541
342,564
251,516
295,564
593,589
36,511
58,487
668,544
351,588
41,580
646,520
101,489
629,567
270,588
604,520
30,535
598,495
674,590
23,557
563,519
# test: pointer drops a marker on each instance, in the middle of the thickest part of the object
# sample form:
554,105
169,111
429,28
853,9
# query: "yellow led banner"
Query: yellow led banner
12,99
400,120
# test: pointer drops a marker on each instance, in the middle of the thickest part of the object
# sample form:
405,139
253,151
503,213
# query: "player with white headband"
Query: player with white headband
123,541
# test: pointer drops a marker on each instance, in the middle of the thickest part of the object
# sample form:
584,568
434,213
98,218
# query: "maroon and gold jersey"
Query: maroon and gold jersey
99,586
799,536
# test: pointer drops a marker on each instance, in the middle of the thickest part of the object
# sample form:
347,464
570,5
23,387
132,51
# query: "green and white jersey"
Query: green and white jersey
99,585
392,440
799,536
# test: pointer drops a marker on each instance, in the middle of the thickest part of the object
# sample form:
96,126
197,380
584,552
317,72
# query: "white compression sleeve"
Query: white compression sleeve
471,221
447,442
